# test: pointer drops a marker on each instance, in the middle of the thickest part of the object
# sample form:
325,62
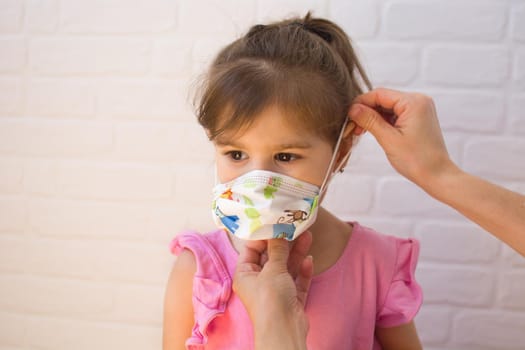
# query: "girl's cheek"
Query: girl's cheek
225,173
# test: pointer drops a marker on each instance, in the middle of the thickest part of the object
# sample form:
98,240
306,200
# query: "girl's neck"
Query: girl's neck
330,237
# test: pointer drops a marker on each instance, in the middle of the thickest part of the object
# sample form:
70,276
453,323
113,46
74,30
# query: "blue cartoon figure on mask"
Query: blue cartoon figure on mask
283,231
229,221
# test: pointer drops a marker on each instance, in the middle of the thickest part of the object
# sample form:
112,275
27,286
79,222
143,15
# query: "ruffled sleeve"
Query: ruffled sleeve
404,296
211,284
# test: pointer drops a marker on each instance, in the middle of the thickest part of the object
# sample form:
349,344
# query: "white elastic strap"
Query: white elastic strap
328,174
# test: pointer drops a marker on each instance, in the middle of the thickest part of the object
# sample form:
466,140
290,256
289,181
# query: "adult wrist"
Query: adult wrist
280,330
439,182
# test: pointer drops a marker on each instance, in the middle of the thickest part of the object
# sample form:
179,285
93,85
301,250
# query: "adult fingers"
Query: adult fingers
371,120
381,97
304,279
250,258
248,267
252,252
298,252
278,252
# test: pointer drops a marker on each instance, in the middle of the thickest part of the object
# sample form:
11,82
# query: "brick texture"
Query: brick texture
10,97
13,55
519,72
11,13
42,16
474,66
102,162
479,20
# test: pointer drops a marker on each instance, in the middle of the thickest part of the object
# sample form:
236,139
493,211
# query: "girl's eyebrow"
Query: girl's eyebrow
223,142
295,145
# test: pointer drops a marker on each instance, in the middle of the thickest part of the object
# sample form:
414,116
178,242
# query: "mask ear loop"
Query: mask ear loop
328,176
351,126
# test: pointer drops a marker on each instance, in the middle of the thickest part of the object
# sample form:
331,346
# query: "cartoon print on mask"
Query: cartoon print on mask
273,186
254,216
292,216
229,221
228,194
285,228
254,207
283,231
313,202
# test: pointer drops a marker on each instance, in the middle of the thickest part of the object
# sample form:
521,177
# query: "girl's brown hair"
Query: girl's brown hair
305,66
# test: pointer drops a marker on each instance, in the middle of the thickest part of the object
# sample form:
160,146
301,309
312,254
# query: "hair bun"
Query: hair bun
316,27
326,36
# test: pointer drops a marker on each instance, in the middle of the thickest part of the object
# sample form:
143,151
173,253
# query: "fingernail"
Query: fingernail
351,125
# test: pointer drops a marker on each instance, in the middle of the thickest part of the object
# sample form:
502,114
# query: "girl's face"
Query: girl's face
272,143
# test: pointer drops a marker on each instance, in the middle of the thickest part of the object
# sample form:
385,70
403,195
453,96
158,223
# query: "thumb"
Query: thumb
369,119
278,252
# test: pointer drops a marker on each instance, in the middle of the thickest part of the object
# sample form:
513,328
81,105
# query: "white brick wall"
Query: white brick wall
99,151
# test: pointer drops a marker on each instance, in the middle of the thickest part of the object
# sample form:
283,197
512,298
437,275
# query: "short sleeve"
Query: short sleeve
404,296
211,284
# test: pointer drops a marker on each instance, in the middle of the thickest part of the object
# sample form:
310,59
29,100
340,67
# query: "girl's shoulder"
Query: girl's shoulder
367,242
197,241
392,260
389,258
212,250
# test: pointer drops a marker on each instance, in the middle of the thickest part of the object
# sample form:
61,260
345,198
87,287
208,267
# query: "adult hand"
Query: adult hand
274,292
413,143
412,140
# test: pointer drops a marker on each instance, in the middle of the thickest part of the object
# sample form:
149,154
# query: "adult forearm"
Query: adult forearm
494,208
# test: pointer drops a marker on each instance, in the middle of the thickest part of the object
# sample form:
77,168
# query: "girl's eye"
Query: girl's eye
285,157
236,155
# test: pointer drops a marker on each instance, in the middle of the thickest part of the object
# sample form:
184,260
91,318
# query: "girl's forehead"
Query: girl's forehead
272,122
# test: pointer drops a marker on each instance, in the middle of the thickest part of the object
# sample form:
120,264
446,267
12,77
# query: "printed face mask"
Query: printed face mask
264,205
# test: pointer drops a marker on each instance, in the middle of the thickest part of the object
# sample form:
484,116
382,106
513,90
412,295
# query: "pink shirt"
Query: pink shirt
371,285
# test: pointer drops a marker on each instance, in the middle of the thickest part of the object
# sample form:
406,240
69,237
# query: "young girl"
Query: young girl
275,106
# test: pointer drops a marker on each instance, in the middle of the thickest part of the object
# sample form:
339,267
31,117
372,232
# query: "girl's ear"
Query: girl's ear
346,143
